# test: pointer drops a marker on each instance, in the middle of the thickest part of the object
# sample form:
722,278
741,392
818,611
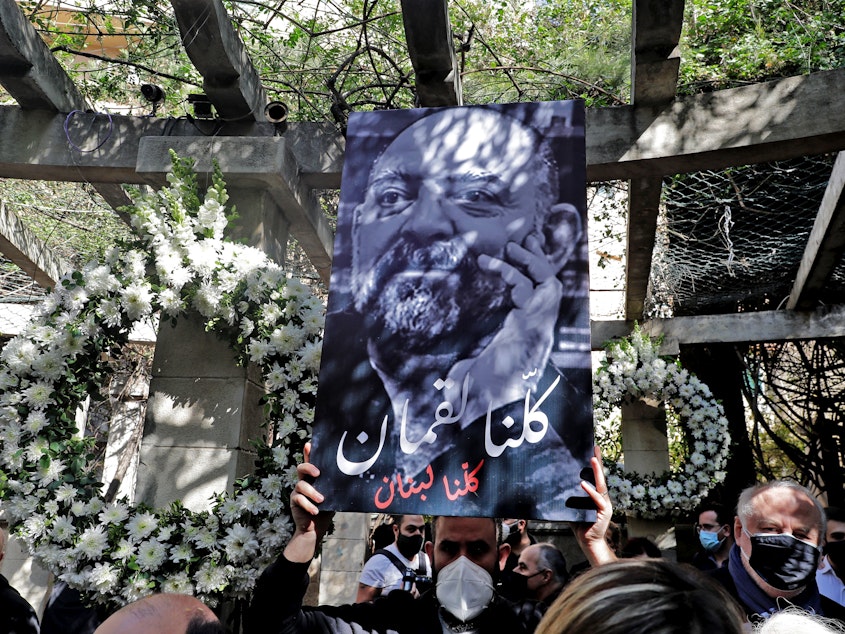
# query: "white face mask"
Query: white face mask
464,589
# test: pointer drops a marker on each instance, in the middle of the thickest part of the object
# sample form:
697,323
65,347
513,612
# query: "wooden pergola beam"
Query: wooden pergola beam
785,118
230,80
655,61
428,34
826,243
755,327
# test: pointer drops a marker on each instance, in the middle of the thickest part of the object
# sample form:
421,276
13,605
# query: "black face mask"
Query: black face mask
835,551
784,562
409,545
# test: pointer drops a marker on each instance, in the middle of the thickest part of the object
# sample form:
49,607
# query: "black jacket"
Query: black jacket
16,615
276,608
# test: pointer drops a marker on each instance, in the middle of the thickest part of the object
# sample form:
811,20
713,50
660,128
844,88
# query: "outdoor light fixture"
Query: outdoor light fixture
276,112
202,106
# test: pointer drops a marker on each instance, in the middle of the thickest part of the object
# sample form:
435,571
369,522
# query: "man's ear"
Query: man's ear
737,528
504,551
429,550
560,233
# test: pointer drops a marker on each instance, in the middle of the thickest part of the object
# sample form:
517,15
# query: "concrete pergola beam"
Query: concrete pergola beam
28,251
263,163
229,78
34,78
29,72
787,118
35,146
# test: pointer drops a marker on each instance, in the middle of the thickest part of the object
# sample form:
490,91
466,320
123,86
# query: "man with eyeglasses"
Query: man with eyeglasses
713,530
831,574
385,570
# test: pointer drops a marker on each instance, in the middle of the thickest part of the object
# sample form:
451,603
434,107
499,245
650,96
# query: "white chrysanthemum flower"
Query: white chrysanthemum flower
179,583
124,550
136,300
104,577
280,455
63,529
141,526
137,588
212,578
65,493
276,378
310,355
251,501
207,300
114,513
39,395
18,354
50,472
240,543
34,526
92,542
49,366
181,552
151,554
35,422
258,349
229,510
203,256
171,302
109,311
206,539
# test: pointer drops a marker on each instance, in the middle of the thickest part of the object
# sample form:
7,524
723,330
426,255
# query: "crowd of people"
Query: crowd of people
775,566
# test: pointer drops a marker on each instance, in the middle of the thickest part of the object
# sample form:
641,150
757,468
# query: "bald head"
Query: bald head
163,614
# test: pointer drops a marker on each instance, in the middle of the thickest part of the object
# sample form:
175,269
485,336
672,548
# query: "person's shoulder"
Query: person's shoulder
722,575
832,609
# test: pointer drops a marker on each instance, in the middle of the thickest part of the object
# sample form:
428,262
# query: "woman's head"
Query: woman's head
643,596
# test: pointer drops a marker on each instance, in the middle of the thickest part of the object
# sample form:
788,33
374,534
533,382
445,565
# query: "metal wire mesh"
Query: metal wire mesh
732,240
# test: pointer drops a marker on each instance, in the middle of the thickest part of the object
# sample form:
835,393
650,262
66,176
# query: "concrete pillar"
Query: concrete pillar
203,408
343,558
646,449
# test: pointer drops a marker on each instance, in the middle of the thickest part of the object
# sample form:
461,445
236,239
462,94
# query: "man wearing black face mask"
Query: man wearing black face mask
778,528
385,570
831,574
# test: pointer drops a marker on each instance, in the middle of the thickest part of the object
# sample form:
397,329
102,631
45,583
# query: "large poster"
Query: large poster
455,375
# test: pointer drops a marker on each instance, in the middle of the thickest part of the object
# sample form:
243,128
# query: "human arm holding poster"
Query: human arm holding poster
310,524
591,537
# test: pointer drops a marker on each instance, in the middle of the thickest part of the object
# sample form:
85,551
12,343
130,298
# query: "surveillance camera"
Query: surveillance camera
152,93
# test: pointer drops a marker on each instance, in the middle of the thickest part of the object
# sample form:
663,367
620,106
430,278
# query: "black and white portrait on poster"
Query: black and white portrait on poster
455,375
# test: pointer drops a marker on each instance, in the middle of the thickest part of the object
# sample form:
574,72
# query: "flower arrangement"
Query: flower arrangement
634,369
48,485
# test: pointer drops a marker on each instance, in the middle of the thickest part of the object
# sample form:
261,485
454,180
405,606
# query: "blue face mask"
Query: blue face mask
710,541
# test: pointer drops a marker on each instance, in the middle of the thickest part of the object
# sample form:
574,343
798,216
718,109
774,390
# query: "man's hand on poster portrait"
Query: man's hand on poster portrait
310,523
521,348
591,537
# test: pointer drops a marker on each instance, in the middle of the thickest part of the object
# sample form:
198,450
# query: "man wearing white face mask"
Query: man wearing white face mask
465,554
778,529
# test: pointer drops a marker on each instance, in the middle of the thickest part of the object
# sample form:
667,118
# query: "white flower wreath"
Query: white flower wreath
48,485
633,370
